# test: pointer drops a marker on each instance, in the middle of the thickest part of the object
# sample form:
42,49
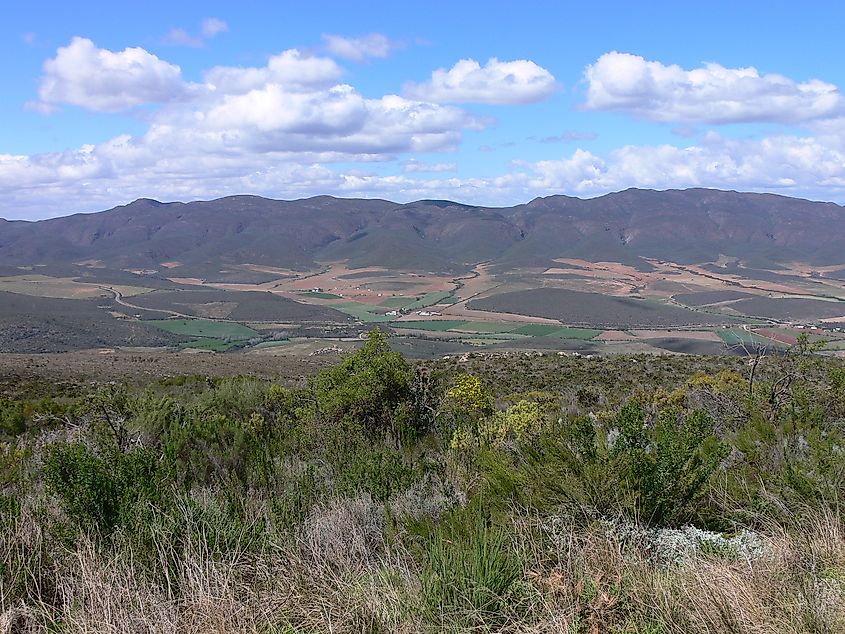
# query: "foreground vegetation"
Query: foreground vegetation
631,496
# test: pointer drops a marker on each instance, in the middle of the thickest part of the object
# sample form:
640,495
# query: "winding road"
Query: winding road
118,298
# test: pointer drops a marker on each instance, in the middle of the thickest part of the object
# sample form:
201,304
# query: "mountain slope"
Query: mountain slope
694,225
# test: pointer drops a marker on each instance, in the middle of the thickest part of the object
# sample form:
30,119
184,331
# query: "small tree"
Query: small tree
372,387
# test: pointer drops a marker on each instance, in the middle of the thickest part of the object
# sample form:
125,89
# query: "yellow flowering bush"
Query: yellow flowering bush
515,423
471,396
723,382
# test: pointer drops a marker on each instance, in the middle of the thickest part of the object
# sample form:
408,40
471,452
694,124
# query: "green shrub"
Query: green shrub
156,415
470,396
671,465
368,387
377,471
103,491
12,417
656,473
782,466
235,397
230,475
294,499
20,416
212,448
521,420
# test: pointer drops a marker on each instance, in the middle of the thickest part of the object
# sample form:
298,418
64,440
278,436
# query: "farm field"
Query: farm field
242,306
213,345
575,333
682,345
362,312
734,337
536,330
429,299
319,295
62,287
494,327
204,328
593,309
43,324
790,308
662,307
709,297
441,325
395,302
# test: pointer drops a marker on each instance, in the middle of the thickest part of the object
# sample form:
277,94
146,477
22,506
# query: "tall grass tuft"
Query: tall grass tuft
471,575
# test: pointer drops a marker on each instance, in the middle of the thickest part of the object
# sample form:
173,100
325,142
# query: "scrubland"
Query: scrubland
634,496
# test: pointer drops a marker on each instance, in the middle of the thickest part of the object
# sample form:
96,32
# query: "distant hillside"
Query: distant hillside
41,324
693,225
237,306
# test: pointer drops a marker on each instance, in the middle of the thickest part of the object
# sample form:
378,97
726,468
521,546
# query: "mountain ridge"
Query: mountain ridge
688,225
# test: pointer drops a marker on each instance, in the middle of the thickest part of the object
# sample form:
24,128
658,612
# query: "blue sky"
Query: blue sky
491,103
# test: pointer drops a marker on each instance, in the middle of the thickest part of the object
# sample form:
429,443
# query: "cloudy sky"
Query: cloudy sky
488,102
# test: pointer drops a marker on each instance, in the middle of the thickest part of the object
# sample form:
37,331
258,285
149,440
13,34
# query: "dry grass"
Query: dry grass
345,534
594,583
341,574
337,578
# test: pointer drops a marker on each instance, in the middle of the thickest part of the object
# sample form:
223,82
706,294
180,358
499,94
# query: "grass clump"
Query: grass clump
471,576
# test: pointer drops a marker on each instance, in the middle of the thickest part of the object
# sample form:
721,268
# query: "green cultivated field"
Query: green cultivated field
737,337
536,330
270,344
216,345
546,330
361,312
204,328
396,302
489,326
429,299
496,336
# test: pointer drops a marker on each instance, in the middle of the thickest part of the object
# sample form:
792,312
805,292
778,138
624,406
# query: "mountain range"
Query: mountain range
692,225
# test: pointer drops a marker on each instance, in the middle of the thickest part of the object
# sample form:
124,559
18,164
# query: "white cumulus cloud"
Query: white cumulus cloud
163,164
709,94
358,49
244,129
792,165
497,82
81,74
290,68
291,128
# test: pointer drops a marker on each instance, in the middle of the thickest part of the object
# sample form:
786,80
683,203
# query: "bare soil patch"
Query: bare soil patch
615,335
777,336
